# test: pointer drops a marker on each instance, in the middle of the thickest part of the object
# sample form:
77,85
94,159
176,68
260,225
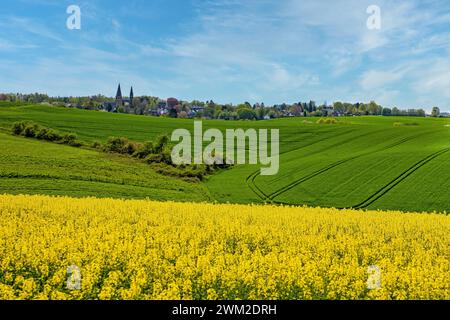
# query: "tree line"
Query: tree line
149,105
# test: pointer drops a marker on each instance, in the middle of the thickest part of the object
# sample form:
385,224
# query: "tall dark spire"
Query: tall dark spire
119,99
131,96
119,93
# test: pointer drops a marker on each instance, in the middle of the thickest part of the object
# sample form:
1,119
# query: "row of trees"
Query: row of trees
147,105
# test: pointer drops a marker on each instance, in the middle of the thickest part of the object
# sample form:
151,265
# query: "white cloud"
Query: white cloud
31,26
6,45
433,79
374,79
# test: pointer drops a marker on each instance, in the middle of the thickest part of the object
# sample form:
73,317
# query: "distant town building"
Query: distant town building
131,96
119,98
120,101
172,103
197,109
327,110
161,108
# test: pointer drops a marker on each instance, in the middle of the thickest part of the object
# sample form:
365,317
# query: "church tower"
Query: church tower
131,97
119,99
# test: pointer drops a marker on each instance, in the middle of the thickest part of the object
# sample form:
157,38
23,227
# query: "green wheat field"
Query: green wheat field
392,163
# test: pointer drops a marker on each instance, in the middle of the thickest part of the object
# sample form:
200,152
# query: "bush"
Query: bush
52,136
42,134
19,127
115,144
327,121
144,150
96,145
121,145
158,155
161,144
162,157
33,130
71,140
131,148
157,152
408,124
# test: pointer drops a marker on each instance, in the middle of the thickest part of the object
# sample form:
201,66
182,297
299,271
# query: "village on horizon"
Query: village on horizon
175,108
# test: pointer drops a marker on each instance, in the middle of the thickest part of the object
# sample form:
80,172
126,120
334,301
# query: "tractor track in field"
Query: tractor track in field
264,197
318,141
252,185
252,177
405,174
272,196
337,163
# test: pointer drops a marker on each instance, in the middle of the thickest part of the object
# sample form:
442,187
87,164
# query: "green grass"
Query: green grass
29,166
367,162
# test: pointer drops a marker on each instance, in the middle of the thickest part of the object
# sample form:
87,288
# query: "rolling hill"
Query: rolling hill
360,162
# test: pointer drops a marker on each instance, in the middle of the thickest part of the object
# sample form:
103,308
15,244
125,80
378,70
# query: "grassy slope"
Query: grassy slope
352,163
343,164
29,166
350,183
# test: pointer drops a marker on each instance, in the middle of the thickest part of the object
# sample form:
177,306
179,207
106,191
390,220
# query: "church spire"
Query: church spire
119,93
119,100
131,96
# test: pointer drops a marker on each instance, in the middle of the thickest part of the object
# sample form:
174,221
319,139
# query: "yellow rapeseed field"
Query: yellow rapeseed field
154,250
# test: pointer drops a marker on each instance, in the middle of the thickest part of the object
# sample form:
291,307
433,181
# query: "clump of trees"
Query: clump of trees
151,152
30,129
436,112
158,155
406,113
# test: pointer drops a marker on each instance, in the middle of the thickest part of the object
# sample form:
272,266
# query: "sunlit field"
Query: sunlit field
139,249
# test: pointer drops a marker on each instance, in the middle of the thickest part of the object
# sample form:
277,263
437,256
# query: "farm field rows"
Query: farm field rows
166,250
340,185
369,162
31,166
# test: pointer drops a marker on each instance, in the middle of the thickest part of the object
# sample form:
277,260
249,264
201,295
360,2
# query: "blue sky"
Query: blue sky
231,50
